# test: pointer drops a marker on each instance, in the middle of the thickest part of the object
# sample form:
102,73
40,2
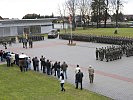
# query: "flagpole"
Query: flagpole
71,33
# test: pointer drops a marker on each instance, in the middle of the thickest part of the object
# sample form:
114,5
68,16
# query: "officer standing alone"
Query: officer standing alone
91,74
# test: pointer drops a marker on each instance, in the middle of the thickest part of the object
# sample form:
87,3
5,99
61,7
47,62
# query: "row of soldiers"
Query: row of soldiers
33,38
25,41
98,39
110,53
127,49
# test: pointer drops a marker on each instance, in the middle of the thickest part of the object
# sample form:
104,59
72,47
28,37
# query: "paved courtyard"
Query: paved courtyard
113,79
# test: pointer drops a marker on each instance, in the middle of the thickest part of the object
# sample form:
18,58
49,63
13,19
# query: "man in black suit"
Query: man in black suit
79,77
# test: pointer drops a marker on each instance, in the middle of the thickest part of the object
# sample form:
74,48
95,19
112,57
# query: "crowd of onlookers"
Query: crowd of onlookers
45,65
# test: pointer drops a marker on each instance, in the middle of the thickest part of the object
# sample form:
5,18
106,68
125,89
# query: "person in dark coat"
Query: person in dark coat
8,60
17,59
36,63
42,59
55,68
34,67
78,79
48,65
21,64
64,67
58,70
25,64
44,65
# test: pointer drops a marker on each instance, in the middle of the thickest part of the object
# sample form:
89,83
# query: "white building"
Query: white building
15,27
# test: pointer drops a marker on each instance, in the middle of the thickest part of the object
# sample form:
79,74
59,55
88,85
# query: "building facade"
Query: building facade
28,26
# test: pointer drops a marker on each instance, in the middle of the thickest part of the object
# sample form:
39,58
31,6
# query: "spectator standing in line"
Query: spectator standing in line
48,65
29,63
33,60
21,64
91,74
78,79
62,81
52,67
55,68
8,60
17,59
36,63
58,70
12,58
77,69
44,65
42,62
4,56
64,67
1,55
25,65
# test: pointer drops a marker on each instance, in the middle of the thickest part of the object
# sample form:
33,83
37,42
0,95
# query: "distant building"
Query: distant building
15,27
128,17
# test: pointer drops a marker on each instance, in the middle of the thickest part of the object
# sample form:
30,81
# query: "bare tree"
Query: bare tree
84,9
62,12
117,5
72,7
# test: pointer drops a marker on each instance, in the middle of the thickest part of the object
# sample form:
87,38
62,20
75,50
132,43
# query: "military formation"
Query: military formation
32,38
98,39
127,49
111,53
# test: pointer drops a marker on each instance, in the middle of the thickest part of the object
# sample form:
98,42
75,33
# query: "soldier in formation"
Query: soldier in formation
99,39
127,49
110,53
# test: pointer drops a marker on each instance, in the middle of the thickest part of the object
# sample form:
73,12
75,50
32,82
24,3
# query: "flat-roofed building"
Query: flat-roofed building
13,27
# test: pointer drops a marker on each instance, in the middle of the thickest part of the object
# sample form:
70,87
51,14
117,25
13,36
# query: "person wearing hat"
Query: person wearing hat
91,73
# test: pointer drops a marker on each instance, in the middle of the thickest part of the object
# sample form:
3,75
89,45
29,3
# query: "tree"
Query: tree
62,13
120,17
72,7
98,8
84,9
106,12
32,16
116,4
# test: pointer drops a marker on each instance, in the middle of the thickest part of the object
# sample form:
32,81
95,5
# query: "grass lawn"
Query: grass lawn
15,85
126,32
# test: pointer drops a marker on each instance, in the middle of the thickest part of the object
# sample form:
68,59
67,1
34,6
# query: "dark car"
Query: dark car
53,34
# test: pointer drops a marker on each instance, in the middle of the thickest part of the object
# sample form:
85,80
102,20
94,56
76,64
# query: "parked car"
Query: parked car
53,34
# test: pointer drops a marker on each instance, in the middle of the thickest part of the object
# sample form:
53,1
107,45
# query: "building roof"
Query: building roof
25,22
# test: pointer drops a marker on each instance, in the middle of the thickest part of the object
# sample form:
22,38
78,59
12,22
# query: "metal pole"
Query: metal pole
71,31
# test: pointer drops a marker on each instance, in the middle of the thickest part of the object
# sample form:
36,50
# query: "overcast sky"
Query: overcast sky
19,8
